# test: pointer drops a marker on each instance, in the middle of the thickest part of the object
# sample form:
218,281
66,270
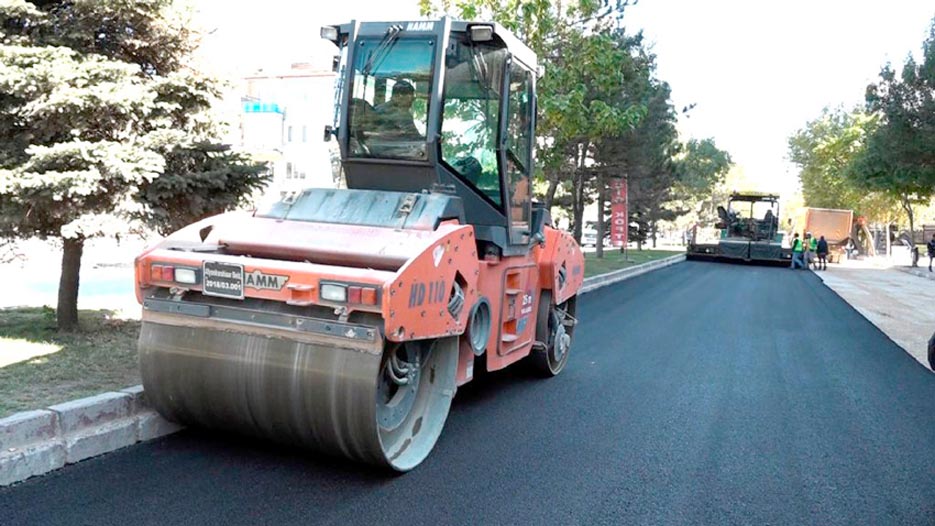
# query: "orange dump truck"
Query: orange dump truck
835,225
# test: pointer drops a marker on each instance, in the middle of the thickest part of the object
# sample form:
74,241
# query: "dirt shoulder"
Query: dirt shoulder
900,304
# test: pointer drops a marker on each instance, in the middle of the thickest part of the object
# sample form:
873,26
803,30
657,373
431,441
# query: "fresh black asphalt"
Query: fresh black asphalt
699,394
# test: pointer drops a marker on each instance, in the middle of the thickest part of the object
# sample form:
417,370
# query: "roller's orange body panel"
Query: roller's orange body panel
413,270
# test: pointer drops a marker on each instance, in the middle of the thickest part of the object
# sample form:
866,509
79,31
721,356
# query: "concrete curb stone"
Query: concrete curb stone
27,427
36,442
100,439
80,414
29,445
603,280
95,425
137,399
152,425
18,464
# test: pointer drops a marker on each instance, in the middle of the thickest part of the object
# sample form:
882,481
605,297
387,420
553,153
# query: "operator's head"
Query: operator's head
470,168
403,94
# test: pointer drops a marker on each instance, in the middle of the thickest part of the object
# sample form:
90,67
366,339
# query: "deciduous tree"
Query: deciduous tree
824,150
899,158
580,45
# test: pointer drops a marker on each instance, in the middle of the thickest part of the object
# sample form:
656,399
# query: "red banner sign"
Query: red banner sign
618,212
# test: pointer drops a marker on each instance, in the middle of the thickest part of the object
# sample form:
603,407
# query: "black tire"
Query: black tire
551,360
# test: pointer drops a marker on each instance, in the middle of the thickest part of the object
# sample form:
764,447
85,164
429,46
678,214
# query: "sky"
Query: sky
757,71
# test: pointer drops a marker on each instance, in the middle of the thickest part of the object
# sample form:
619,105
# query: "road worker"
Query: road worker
811,246
930,247
822,252
797,255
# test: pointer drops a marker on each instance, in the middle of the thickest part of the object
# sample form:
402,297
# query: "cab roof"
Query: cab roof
754,196
518,48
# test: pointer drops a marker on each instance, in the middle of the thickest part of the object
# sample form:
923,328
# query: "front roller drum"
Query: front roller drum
377,402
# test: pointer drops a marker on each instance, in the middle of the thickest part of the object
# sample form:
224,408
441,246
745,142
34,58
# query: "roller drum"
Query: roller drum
321,392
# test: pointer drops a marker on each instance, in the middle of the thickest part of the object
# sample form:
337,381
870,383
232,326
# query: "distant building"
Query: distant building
282,121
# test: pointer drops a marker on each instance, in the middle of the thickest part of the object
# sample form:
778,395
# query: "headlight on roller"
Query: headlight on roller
333,292
185,275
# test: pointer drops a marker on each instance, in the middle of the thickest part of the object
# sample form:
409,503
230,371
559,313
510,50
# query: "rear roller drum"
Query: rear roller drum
555,326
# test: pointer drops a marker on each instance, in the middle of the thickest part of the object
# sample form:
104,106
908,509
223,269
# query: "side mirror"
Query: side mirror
540,218
329,131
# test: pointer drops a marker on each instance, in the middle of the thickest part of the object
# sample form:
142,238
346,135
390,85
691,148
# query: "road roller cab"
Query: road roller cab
345,319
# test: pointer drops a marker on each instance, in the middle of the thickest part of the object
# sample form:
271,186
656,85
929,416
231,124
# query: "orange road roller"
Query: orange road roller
344,320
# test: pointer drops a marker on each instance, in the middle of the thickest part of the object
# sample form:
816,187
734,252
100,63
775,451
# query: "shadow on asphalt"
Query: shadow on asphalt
297,461
273,457
739,262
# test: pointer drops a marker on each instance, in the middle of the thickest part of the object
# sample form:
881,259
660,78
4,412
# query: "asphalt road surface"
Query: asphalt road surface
699,394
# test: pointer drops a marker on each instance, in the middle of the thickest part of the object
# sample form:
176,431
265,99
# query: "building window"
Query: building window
289,168
289,134
304,133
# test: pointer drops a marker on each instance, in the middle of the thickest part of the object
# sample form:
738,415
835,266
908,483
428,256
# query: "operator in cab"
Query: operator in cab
395,115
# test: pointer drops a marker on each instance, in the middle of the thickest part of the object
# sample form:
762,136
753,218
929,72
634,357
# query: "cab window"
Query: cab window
519,152
389,94
470,117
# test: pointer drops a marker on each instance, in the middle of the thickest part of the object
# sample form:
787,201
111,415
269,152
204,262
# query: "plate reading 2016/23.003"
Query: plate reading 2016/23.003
223,279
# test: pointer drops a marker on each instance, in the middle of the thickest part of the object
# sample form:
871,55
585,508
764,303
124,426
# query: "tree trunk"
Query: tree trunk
577,206
907,206
886,237
577,196
550,193
599,253
67,313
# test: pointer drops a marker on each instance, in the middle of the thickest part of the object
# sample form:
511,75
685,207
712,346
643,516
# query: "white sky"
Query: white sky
274,33
757,70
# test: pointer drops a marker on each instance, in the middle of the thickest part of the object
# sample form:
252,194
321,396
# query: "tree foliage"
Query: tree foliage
701,184
602,111
644,155
824,150
208,179
878,159
699,167
99,119
899,157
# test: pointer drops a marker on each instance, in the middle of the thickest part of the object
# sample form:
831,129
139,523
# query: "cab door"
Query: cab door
521,275
516,152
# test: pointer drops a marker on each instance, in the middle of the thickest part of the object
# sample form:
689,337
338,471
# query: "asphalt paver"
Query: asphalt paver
699,394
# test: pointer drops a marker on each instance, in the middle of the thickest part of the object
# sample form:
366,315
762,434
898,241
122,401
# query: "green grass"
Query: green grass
40,366
613,260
